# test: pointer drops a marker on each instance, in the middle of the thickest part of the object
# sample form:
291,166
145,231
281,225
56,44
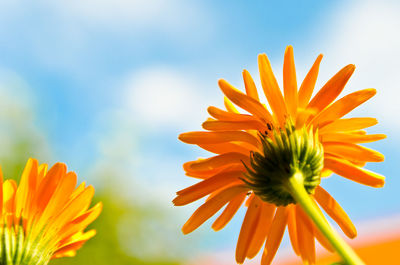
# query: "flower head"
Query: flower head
45,216
257,151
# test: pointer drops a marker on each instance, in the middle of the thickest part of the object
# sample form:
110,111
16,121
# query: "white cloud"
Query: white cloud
186,21
165,97
171,16
70,35
366,34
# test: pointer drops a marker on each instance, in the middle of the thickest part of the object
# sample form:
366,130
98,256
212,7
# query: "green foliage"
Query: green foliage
105,247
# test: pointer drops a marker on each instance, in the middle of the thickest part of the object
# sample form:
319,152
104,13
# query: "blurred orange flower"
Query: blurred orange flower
45,216
240,171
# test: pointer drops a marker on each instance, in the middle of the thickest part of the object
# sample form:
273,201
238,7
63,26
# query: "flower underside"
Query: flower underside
272,157
45,216
285,152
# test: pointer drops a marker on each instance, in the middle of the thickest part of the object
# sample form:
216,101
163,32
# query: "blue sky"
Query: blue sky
115,83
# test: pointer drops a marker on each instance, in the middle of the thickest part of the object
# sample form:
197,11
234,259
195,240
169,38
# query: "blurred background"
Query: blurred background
106,87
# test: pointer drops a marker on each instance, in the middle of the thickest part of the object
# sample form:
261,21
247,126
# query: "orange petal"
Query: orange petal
353,172
344,125
290,82
223,148
218,137
275,235
351,137
335,211
305,236
81,222
292,227
303,116
262,230
271,88
251,89
206,186
307,87
331,89
229,212
78,190
322,239
26,186
352,152
248,229
42,171
217,161
343,106
49,185
233,125
210,207
70,211
58,200
245,102
249,199
1,192
69,249
209,173
220,114
88,192
9,189
358,132
229,106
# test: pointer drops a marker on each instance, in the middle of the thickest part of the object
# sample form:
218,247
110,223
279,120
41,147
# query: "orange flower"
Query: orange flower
254,150
45,216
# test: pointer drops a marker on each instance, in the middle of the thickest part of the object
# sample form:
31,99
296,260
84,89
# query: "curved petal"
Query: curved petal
9,190
343,106
210,207
228,213
248,229
220,114
251,89
1,192
322,239
245,102
234,125
206,186
217,161
26,187
292,228
223,148
275,235
353,172
351,137
331,89
335,211
202,137
351,124
352,152
229,106
305,236
290,82
262,230
271,89
307,87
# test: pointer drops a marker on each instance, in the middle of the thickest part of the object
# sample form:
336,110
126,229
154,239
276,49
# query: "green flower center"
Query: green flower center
286,152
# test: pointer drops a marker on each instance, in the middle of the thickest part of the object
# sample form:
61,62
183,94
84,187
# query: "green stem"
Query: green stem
296,189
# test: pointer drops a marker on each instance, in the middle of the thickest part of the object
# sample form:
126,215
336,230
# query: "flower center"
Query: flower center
286,152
